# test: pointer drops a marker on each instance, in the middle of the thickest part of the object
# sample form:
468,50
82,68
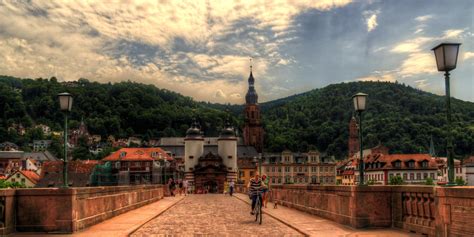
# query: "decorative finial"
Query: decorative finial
250,64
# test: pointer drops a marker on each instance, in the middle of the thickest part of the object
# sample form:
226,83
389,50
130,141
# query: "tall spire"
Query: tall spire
251,97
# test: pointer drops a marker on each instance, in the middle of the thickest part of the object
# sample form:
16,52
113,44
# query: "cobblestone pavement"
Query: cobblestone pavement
212,215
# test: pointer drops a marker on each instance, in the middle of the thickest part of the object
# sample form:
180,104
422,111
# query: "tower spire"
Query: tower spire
251,65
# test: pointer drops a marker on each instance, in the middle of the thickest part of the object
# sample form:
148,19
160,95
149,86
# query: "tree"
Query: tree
460,181
396,180
429,181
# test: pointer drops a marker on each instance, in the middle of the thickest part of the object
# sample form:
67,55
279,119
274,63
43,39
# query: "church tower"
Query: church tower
253,130
353,137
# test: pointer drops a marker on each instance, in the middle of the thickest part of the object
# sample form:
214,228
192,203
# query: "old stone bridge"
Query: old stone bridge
300,211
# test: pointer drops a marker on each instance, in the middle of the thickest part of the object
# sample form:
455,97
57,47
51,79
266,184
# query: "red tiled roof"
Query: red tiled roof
78,166
469,160
137,154
31,175
388,160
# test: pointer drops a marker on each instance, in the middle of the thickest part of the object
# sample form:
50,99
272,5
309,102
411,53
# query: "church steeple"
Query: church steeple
251,97
253,129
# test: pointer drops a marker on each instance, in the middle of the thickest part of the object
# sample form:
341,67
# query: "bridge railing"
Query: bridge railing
429,210
67,210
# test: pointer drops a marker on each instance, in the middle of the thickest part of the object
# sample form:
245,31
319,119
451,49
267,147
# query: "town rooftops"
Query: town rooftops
138,154
31,175
400,161
79,173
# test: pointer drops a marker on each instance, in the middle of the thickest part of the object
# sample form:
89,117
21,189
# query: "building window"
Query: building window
404,176
241,174
398,164
273,168
191,157
279,168
425,175
279,180
424,164
432,175
123,154
230,157
18,175
252,173
412,176
418,176
305,169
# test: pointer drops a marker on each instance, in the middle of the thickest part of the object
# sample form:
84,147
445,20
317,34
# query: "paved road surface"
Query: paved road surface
215,215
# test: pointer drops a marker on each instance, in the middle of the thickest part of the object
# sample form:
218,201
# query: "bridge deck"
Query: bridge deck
219,215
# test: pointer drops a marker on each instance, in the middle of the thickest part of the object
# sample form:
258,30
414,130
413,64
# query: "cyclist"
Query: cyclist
255,185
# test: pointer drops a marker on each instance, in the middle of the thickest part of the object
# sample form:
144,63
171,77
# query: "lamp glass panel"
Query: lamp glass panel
439,54
64,102
69,103
361,100
356,107
451,55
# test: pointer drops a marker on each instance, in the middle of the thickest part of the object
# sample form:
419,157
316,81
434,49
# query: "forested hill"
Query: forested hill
398,116
121,109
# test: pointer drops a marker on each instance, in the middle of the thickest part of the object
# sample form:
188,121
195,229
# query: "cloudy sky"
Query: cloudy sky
202,48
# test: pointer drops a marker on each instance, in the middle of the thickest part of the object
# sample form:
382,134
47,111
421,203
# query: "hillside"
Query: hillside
398,116
401,117
120,109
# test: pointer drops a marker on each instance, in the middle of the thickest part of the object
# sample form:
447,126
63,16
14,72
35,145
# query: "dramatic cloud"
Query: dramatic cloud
423,18
202,48
371,20
468,55
173,44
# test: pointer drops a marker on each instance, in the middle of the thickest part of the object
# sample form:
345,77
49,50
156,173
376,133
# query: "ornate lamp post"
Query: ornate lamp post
65,104
360,100
446,55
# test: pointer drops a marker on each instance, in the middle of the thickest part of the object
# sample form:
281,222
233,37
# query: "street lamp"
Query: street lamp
65,104
360,100
446,55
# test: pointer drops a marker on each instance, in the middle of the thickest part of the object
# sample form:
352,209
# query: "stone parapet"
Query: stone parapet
7,211
428,210
59,210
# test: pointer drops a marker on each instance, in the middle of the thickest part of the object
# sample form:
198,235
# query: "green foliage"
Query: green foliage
371,182
396,180
121,109
398,116
460,181
429,181
8,184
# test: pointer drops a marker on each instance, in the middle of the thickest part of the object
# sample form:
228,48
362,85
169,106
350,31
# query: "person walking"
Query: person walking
185,187
171,186
231,187
265,196
180,187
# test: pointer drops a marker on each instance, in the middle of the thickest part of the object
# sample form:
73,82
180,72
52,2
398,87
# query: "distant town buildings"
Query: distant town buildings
41,145
299,168
140,165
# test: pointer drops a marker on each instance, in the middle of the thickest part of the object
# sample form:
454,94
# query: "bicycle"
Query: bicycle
258,207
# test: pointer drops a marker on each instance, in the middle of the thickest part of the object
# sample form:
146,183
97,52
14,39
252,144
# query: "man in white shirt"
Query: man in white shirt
185,187
231,187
